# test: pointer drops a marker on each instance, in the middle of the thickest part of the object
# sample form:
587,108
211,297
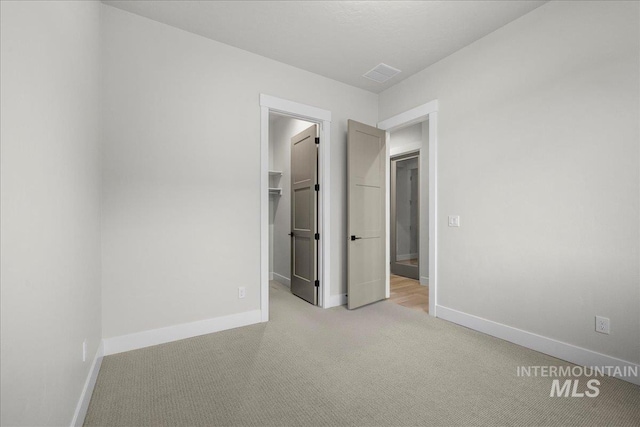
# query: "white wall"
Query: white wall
538,153
181,171
50,207
406,139
281,130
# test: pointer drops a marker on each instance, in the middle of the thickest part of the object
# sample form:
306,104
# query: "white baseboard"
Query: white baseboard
337,300
281,279
87,390
424,280
179,332
405,257
561,350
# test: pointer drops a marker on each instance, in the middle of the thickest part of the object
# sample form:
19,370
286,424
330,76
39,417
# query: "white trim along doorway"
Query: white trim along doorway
426,112
269,104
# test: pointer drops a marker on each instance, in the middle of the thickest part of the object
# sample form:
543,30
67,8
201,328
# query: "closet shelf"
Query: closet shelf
275,191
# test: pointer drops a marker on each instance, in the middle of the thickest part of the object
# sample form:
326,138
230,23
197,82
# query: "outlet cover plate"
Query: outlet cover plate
602,325
454,221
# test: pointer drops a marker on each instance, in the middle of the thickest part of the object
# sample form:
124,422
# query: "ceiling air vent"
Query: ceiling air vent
381,73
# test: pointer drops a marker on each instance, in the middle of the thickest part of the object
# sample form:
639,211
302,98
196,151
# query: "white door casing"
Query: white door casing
312,114
428,111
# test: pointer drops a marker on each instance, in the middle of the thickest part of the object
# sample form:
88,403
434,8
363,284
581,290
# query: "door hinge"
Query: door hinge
317,140
317,283
317,187
317,236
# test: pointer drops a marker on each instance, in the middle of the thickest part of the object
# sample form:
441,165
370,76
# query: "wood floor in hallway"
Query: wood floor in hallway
409,293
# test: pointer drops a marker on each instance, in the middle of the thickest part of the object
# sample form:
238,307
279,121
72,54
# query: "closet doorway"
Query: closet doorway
271,180
293,205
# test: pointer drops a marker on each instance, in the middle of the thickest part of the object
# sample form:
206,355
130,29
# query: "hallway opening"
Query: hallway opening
409,214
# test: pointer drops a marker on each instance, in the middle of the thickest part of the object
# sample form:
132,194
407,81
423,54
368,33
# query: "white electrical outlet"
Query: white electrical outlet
454,221
84,351
242,292
602,324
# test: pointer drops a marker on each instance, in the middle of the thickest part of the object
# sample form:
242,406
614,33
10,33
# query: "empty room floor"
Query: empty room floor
378,365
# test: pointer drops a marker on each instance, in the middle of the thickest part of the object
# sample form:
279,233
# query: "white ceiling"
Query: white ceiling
340,39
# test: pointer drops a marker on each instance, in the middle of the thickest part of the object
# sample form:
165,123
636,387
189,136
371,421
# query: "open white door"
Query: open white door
366,154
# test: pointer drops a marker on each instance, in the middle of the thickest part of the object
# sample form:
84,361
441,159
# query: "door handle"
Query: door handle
291,234
355,238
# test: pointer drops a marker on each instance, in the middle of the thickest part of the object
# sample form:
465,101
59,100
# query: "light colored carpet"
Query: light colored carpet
379,365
